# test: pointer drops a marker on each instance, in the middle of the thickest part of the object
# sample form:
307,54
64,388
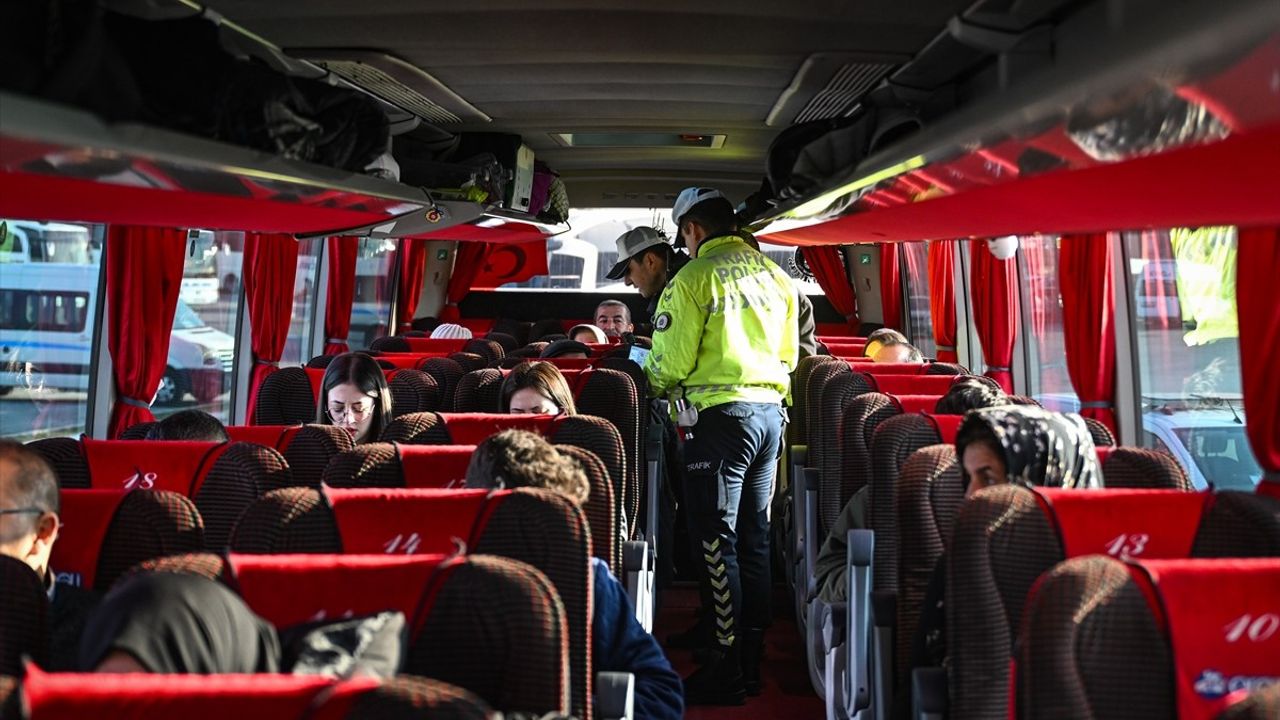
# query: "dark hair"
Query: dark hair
974,429
913,354
884,335
970,393
518,458
543,377
364,372
193,424
662,250
564,347
716,216
614,303
33,483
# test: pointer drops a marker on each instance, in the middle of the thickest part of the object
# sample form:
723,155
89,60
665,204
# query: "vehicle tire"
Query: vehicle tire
173,387
5,390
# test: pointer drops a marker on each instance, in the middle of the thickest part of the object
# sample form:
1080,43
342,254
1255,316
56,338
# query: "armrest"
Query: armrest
653,462
857,692
615,696
928,693
812,541
638,579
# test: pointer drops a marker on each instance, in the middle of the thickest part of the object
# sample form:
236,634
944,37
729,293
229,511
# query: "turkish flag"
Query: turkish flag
511,262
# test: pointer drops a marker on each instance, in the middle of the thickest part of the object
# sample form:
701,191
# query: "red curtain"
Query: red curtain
827,264
342,290
1088,322
466,268
995,310
270,267
412,256
891,285
942,297
144,277
1258,266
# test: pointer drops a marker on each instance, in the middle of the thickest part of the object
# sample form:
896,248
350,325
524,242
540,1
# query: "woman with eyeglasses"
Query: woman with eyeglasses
354,397
536,388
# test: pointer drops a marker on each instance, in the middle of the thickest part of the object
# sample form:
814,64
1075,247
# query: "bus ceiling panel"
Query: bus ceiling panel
1119,85
156,176
1230,182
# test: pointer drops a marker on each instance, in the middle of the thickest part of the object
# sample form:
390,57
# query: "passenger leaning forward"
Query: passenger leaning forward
724,344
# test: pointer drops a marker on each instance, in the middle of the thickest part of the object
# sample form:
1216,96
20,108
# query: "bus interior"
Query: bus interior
202,202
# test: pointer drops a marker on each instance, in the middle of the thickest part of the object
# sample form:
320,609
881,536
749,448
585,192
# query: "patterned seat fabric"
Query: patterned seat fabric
508,342
1107,639
1004,539
930,491
595,434
24,616
518,329
797,431
538,527
479,391
407,697
447,373
413,391
1101,434
491,350
1130,467
320,362
832,387
286,397
603,509
469,361
390,343
892,443
222,481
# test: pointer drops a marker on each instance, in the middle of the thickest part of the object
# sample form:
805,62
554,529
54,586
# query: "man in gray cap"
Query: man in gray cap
646,261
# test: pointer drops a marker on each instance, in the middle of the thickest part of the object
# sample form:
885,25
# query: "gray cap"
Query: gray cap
632,243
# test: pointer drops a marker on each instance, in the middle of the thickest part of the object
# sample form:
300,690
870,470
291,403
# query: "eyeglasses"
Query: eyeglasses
24,511
357,411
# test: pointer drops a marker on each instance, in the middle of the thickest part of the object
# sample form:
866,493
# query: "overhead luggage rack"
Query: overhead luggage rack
59,163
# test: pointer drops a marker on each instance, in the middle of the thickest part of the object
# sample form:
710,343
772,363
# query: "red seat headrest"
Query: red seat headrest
85,516
1136,524
473,428
435,345
288,590
915,403
408,521
875,368
409,361
910,384
946,425
177,466
273,436
435,466
1223,625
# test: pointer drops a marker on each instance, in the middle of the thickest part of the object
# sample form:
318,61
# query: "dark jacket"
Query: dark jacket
68,612
620,644
808,328
832,566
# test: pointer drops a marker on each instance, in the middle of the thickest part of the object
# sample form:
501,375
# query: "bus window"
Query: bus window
200,273
915,256
297,347
47,318
1044,341
371,304
1188,350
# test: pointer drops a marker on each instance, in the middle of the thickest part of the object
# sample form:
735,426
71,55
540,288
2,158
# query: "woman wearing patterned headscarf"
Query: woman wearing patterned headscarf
1028,446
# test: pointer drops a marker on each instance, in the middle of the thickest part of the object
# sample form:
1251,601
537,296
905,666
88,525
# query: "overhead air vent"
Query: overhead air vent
399,83
638,140
828,85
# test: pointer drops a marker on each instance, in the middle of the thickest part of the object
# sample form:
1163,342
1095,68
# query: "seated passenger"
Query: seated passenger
895,351
971,393
177,623
1018,444
588,334
536,388
516,458
451,331
29,523
191,425
878,338
354,397
614,318
566,349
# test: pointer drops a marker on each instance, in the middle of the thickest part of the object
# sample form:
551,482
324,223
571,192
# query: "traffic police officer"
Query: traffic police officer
725,341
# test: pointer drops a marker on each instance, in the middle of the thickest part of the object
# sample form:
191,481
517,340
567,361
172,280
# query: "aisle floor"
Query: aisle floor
786,693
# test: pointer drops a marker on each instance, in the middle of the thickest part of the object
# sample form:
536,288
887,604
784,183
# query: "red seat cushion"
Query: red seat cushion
433,345
909,384
1137,524
1223,625
435,466
86,516
138,464
288,590
410,361
406,521
875,368
915,403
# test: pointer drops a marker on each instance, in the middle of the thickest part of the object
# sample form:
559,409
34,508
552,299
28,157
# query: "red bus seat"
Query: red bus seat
1006,536
222,479
1150,639
536,526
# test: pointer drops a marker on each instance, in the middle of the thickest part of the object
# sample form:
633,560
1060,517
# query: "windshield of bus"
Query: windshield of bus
1223,456
185,318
